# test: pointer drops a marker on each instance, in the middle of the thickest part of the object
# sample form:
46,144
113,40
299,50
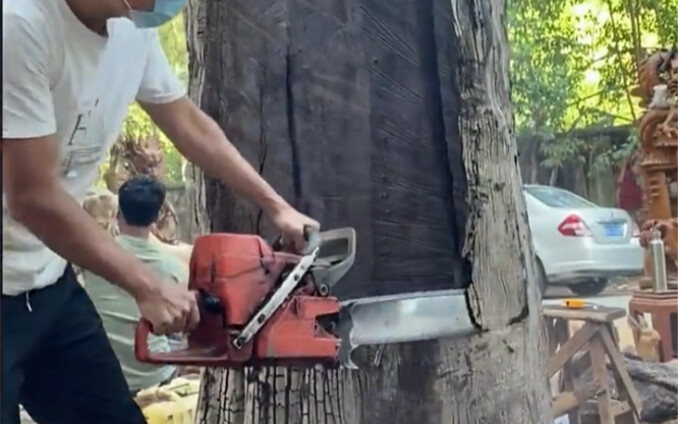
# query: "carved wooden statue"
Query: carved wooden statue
669,125
658,132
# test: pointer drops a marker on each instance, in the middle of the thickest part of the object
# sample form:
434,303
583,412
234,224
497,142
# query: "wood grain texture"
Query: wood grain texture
393,118
338,104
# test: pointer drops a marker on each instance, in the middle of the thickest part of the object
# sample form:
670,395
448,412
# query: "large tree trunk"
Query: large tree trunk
392,117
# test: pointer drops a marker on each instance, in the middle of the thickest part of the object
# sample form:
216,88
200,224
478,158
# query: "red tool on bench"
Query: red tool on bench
260,305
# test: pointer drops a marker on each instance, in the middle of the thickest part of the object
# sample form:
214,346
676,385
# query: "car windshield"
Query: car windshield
559,198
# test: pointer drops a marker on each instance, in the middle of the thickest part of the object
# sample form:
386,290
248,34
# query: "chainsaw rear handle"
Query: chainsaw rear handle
207,303
187,356
141,351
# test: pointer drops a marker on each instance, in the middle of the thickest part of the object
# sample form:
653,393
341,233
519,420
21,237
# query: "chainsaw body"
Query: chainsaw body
260,306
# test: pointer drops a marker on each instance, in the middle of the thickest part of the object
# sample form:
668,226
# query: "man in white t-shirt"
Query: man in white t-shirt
70,69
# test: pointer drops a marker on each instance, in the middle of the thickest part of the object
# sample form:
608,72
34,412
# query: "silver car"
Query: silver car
578,243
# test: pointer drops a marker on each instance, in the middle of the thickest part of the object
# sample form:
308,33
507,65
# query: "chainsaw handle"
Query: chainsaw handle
313,239
207,303
311,235
189,356
141,350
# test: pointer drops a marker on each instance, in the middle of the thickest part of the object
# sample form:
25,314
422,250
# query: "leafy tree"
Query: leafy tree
573,64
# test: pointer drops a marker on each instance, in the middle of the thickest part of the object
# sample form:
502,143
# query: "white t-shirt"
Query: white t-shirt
58,77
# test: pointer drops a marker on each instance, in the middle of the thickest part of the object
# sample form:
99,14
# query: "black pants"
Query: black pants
57,361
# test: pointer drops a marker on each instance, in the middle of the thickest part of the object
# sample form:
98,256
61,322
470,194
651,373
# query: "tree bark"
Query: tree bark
393,118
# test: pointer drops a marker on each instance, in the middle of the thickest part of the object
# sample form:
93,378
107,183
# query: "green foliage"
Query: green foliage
173,39
573,64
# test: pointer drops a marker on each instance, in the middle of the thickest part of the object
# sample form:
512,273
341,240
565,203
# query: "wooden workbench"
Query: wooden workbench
596,338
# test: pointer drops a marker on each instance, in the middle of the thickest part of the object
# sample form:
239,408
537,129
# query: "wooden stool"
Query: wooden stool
663,306
596,336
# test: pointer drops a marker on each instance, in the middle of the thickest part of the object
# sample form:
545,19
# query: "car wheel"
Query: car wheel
589,288
542,279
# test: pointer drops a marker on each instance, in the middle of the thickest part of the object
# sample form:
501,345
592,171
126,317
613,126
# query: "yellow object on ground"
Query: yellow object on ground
575,303
174,403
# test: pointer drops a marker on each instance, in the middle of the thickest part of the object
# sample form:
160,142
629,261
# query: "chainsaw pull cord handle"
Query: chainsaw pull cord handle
206,302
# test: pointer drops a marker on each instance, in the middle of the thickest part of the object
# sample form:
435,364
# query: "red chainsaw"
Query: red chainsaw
261,305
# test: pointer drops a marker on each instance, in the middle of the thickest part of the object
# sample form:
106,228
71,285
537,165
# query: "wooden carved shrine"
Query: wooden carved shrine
658,133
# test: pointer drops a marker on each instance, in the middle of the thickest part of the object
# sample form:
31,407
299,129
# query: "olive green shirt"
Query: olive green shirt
120,313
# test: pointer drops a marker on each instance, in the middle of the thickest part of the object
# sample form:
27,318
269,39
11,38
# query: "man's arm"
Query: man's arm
196,135
202,142
36,200
34,195
29,161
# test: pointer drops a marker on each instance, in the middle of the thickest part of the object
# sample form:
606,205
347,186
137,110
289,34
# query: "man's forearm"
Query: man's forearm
215,154
56,218
202,142
223,161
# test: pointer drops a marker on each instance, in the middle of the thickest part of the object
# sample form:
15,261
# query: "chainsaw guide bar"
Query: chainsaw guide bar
402,318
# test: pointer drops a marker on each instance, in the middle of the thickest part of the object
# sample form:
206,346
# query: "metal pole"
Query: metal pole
658,256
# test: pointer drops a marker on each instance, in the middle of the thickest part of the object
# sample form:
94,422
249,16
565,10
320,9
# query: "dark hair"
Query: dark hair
140,199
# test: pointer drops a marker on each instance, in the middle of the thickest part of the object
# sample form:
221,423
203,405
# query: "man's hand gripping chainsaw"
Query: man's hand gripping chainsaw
260,305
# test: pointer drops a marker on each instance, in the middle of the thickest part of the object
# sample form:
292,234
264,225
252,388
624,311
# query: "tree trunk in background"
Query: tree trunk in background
392,117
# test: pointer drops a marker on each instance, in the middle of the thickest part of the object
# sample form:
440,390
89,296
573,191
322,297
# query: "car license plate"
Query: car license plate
614,230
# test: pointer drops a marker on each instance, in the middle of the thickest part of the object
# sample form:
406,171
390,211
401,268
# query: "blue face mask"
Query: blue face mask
163,11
